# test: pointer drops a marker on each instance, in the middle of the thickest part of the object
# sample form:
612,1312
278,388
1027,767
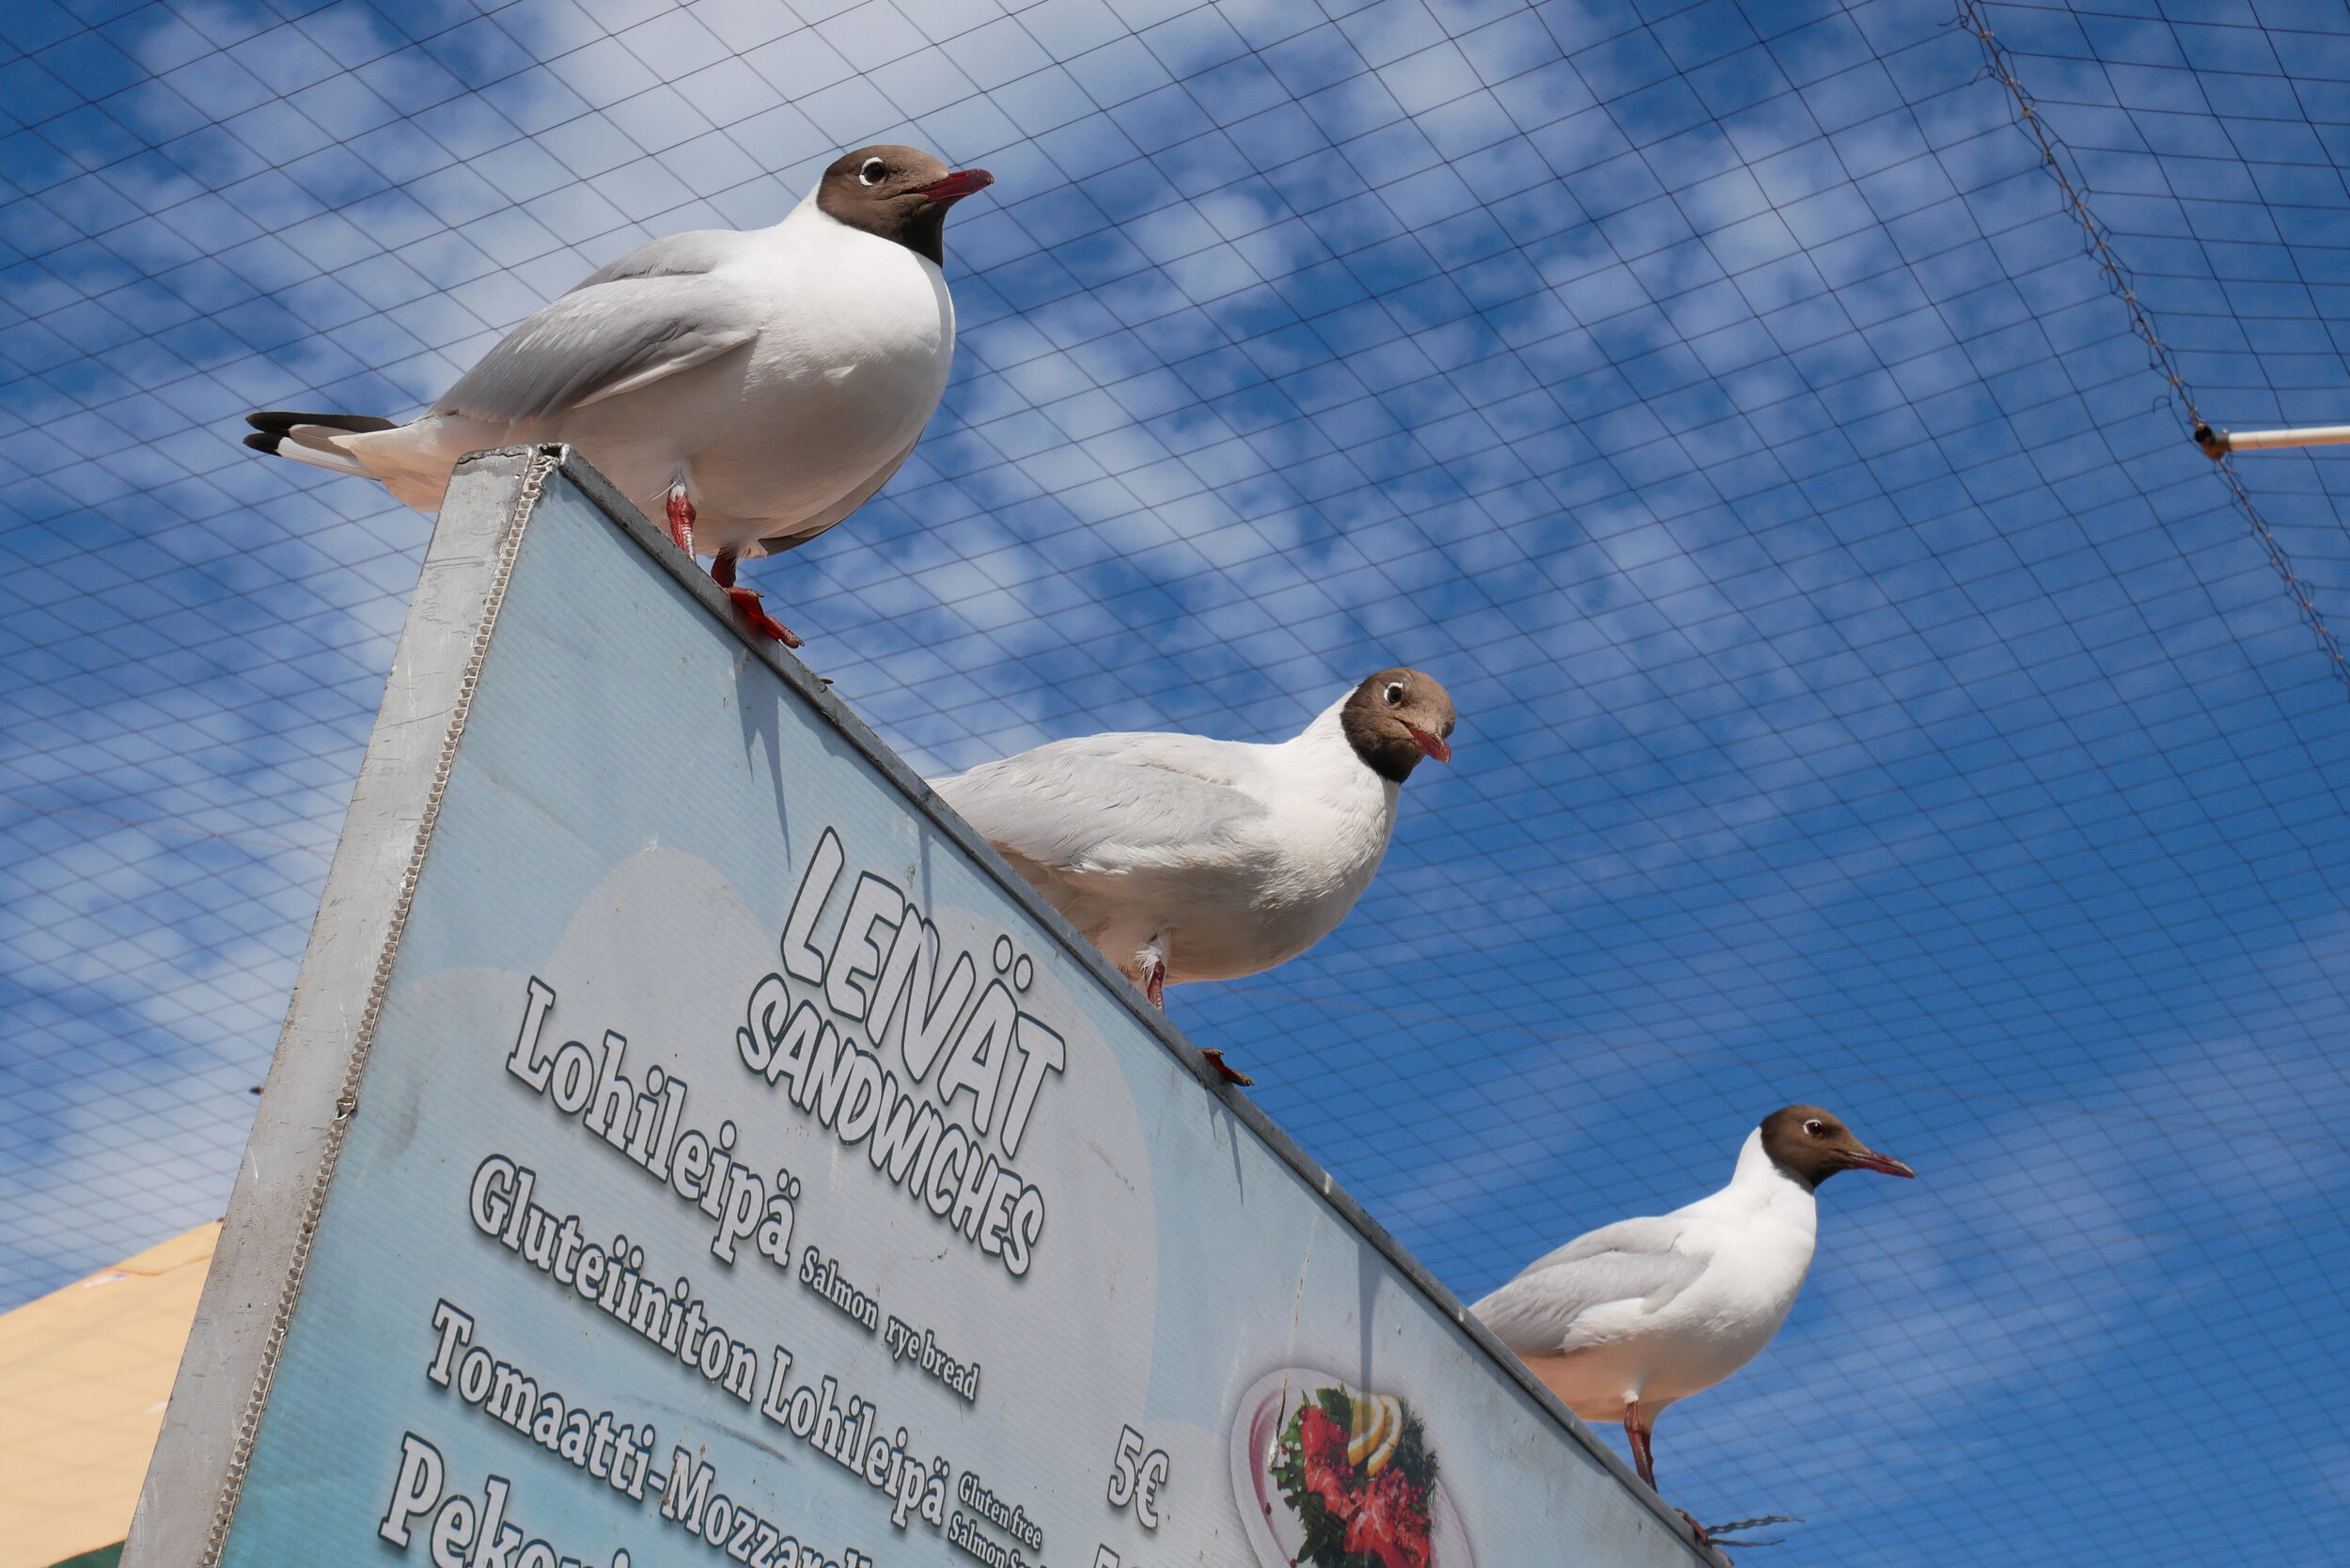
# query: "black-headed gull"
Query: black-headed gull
755,388
1623,1322
1187,858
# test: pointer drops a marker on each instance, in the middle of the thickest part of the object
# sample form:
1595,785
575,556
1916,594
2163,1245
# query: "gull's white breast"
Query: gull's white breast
1704,1334
851,360
1743,1251
1277,883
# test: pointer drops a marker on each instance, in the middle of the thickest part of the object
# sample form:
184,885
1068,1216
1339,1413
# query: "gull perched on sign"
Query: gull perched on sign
755,388
1623,1322
1187,858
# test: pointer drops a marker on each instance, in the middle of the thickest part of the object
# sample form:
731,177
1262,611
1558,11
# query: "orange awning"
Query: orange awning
85,1373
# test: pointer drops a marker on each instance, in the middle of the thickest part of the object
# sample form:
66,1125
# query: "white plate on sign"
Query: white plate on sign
1274,1529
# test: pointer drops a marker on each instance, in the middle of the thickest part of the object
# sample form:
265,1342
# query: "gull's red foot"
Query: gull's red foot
746,603
1719,1536
1705,1537
1225,1070
755,616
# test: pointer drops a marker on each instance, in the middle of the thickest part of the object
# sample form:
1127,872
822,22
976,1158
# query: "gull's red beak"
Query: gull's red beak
956,187
1432,745
1869,1159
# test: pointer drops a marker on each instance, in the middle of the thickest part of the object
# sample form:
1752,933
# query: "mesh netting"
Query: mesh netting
1868,695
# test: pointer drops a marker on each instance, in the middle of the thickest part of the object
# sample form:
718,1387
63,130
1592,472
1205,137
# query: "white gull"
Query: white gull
1187,858
755,388
1626,1320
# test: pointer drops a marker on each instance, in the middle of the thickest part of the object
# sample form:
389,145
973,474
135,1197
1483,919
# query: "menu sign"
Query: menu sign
688,1144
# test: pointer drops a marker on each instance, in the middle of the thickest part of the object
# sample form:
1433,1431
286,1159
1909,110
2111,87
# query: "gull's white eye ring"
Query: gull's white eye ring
872,171
1395,692
1815,1127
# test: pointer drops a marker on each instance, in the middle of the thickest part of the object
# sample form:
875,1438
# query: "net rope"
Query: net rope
1868,696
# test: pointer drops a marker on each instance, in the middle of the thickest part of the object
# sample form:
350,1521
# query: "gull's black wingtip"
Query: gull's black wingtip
279,421
271,427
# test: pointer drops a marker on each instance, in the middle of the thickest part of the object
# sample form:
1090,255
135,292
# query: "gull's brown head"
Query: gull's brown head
1397,717
900,194
1812,1145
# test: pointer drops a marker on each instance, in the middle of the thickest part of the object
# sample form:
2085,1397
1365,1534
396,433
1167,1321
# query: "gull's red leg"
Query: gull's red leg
1150,970
1643,1459
1152,958
746,603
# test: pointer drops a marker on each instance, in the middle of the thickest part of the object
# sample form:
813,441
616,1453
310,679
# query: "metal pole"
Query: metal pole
2219,444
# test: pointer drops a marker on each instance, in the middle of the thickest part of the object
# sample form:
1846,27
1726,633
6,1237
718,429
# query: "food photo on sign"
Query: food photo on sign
1340,1478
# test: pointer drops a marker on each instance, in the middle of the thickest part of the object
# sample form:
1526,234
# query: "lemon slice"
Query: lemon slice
1392,1429
1370,1426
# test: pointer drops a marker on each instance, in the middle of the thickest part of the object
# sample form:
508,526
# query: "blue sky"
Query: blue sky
1867,694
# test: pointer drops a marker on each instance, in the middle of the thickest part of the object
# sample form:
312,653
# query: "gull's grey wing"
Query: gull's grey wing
700,250
1633,1260
602,339
838,510
1110,802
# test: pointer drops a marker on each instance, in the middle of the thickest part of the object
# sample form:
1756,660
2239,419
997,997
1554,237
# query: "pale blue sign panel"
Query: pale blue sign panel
742,1167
